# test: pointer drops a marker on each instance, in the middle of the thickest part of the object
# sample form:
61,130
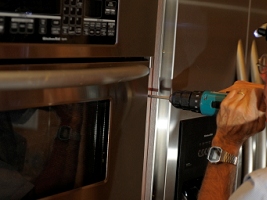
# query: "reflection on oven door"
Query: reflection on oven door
49,150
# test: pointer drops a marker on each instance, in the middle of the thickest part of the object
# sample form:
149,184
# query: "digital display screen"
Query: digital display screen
215,155
51,7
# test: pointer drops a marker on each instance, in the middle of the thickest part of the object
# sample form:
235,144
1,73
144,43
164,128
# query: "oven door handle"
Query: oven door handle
42,79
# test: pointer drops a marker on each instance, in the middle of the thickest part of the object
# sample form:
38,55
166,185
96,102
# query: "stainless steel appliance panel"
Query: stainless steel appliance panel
206,44
257,16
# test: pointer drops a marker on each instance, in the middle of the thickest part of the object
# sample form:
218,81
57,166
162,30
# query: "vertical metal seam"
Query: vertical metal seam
171,72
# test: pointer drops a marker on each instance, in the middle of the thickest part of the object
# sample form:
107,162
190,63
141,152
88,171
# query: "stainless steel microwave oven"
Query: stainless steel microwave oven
77,28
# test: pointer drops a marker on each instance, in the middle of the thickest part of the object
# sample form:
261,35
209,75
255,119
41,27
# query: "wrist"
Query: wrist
227,146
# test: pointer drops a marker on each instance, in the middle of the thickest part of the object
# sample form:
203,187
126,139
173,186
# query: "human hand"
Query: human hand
238,85
241,114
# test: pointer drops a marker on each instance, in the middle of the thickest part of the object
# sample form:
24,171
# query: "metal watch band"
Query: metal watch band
228,158
217,154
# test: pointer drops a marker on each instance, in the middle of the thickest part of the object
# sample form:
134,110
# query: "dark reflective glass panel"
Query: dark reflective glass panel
54,149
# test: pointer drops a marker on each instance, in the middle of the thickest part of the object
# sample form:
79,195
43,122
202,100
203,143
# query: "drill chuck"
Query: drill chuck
204,102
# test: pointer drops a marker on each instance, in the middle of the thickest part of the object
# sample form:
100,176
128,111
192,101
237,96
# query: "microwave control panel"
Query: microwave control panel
58,21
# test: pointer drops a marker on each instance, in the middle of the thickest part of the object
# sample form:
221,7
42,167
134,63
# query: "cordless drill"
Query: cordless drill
204,102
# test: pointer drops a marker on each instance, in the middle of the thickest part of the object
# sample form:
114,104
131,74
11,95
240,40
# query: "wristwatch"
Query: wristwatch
217,155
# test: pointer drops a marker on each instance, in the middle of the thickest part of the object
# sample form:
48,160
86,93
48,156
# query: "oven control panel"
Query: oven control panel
59,21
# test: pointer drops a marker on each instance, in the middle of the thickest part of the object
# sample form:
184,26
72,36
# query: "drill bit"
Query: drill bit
159,97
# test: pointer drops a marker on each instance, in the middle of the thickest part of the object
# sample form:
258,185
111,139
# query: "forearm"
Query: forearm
218,183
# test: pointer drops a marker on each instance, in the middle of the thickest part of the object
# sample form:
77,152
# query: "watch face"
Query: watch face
214,154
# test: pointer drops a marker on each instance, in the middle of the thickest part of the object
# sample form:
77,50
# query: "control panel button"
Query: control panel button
97,32
22,28
78,30
14,27
65,30
111,4
65,20
42,30
112,12
2,25
55,22
98,25
78,11
78,20
91,32
104,25
71,30
55,30
103,32
73,2
42,22
92,24
2,20
86,24
111,33
30,28
2,29
66,10
79,3
86,31
72,20
72,11
111,25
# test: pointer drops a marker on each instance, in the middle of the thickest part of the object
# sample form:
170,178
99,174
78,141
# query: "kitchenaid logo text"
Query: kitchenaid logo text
208,135
54,39
205,146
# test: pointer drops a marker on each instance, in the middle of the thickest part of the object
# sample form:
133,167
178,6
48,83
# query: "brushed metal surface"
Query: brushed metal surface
164,141
135,37
126,139
18,98
43,79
